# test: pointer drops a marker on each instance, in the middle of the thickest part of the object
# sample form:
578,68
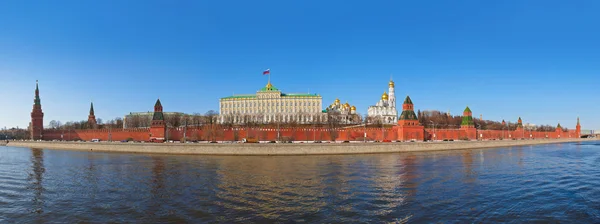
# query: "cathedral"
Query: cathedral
385,109
347,114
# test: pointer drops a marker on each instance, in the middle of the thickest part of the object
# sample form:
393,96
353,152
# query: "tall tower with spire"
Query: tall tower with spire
37,116
92,118
158,126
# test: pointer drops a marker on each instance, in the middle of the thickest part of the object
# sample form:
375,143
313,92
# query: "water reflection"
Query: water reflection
467,161
488,185
36,177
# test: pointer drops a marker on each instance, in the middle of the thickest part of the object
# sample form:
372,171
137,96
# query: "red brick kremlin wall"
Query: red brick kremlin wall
301,134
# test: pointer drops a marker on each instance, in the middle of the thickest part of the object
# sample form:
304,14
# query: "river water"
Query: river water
544,183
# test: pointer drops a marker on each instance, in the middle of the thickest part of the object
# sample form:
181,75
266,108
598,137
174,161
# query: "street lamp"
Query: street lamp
433,130
477,132
365,130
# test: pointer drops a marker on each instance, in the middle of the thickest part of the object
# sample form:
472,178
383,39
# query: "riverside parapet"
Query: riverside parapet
281,149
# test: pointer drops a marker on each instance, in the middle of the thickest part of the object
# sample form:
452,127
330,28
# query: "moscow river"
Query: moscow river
543,183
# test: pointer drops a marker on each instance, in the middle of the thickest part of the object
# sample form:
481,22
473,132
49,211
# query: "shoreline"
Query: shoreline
279,149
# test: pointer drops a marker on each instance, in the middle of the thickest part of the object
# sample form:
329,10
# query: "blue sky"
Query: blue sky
536,59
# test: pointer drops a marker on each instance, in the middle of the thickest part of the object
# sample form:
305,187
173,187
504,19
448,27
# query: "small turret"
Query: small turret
408,112
158,111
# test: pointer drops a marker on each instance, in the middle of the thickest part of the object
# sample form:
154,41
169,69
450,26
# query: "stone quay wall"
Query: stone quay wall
281,149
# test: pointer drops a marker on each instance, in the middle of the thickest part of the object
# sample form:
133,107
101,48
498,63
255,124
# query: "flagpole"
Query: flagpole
269,76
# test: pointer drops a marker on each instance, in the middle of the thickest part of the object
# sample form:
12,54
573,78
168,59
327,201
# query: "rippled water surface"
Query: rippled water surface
546,183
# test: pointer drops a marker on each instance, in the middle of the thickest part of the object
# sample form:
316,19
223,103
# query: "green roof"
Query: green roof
158,116
36,101
240,96
468,109
467,121
269,87
407,101
408,115
299,94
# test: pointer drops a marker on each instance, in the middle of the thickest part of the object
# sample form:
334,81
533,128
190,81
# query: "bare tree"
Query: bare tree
333,123
118,122
197,119
53,124
174,120
210,127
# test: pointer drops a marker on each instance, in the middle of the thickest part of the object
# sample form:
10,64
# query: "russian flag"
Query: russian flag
267,72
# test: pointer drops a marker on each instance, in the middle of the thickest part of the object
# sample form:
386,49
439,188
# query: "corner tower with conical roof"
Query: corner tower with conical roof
158,127
37,116
408,127
92,118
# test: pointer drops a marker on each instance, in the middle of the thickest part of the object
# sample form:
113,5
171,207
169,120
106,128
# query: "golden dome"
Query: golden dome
384,96
391,84
353,108
346,105
337,101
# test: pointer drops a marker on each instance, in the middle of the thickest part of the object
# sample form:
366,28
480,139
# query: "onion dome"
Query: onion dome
391,83
384,96
337,101
353,108
346,105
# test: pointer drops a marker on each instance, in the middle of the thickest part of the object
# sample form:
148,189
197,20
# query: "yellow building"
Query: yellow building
269,104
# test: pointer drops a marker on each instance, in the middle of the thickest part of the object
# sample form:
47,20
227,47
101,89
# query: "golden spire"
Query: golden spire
391,83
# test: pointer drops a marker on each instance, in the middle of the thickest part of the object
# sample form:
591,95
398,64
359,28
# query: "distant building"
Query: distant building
268,105
529,126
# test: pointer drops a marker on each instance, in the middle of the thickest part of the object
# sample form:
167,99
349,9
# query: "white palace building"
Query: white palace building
269,104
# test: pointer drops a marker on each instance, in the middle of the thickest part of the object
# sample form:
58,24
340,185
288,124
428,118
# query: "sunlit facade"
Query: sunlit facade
269,105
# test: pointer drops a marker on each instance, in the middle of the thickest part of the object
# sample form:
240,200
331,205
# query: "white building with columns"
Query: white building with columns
385,109
269,104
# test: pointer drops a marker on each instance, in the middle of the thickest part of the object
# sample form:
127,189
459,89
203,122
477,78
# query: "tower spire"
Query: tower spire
92,108
37,101
92,118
